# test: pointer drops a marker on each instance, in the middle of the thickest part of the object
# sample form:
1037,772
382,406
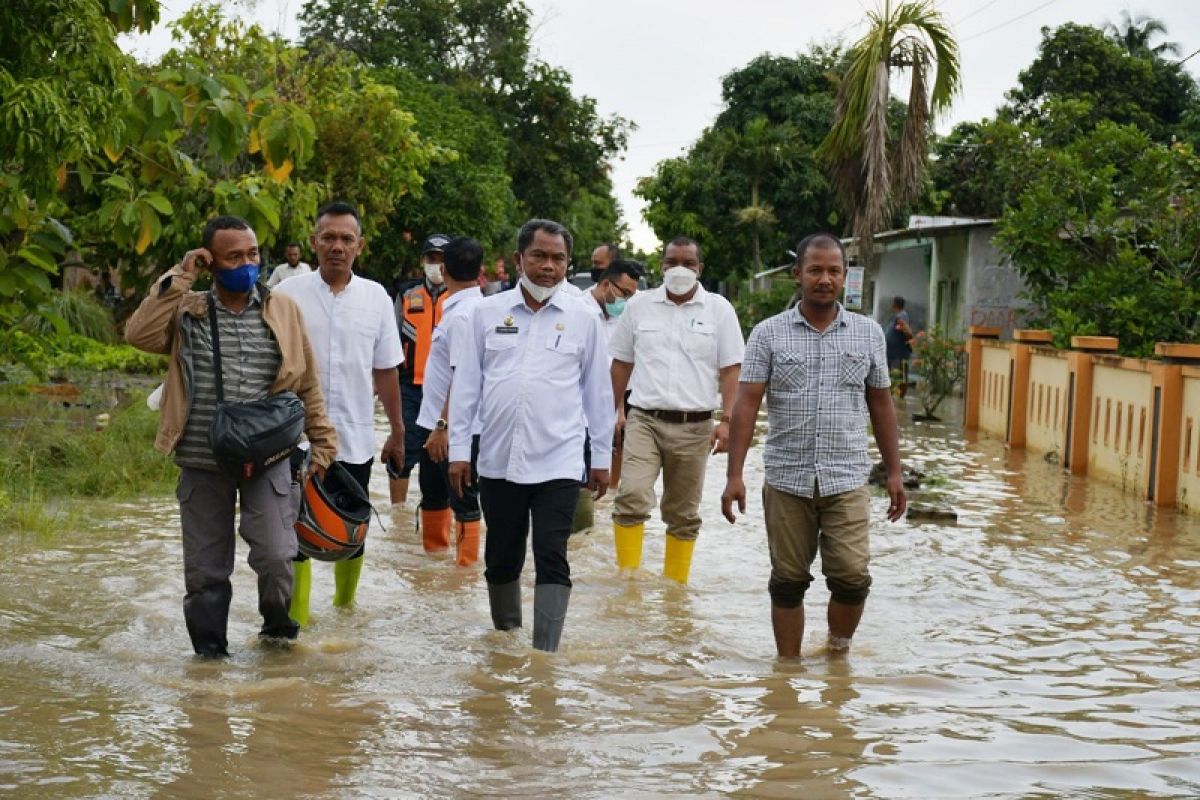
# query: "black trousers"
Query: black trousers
436,493
508,509
362,474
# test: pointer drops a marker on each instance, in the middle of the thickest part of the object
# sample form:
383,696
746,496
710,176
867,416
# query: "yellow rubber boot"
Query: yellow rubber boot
468,543
628,539
435,529
301,590
345,581
677,560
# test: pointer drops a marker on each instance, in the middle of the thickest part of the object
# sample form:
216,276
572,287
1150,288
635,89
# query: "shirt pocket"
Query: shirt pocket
853,369
500,353
562,347
700,341
790,372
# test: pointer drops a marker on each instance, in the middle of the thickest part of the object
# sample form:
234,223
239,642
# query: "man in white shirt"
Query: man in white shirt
463,259
357,348
290,268
532,367
687,345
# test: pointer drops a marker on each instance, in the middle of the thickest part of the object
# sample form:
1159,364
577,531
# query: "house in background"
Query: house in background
950,274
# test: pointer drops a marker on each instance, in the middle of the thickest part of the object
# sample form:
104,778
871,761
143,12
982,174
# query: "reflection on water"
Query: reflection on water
1046,645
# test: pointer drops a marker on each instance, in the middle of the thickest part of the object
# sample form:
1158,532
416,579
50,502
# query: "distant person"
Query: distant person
357,350
899,336
463,260
418,312
266,332
602,256
682,345
823,371
532,368
502,276
290,268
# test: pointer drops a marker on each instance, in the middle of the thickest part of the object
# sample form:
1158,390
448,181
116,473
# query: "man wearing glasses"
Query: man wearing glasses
687,346
532,372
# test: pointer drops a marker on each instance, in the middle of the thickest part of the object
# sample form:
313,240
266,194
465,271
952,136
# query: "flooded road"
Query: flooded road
1046,645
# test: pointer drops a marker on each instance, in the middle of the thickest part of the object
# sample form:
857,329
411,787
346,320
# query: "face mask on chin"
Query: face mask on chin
239,279
614,307
679,280
540,294
433,274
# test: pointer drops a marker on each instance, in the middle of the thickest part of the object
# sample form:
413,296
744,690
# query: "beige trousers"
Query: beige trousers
680,451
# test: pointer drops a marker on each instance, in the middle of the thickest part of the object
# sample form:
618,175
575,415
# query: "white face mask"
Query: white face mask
539,293
433,274
679,280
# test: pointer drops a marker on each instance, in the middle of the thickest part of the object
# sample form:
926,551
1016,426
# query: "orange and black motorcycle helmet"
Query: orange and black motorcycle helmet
334,513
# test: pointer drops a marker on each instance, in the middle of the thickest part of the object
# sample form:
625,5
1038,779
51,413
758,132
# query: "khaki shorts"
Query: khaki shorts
837,526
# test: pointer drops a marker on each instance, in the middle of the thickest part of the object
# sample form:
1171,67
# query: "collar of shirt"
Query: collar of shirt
560,300
458,297
839,321
255,300
660,296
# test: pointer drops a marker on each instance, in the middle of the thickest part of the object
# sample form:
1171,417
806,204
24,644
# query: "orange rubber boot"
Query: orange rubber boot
435,529
468,543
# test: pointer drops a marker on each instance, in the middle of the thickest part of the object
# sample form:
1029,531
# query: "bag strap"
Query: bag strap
216,346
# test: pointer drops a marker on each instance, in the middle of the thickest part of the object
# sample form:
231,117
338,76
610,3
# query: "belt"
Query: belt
677,416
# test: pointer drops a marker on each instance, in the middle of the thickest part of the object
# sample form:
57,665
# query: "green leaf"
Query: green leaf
159,203
118,182
39,257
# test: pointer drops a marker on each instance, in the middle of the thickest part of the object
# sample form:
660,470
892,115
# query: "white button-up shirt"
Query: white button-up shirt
351,333
679,350
536,380
439,366
284,271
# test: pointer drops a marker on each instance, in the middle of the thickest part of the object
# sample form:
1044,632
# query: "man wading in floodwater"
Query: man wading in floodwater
531,366
265,351
823,370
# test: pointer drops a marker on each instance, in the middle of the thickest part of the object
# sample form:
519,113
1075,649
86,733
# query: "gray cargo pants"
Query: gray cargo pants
207,502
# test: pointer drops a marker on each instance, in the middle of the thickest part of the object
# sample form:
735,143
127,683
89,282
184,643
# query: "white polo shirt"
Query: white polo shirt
678,350
536,380
351,333
284,271
439,366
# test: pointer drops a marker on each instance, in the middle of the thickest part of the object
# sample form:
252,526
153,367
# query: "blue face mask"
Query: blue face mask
614,308
238,279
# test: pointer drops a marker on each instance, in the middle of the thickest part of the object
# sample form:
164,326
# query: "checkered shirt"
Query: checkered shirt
816,398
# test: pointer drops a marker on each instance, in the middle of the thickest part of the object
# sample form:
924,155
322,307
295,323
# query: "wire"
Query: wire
979,10
1009,22
1180,61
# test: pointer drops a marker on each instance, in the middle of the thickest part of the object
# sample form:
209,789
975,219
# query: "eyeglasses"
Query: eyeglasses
538,257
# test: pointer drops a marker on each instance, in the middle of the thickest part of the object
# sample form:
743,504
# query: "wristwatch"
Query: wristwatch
441,424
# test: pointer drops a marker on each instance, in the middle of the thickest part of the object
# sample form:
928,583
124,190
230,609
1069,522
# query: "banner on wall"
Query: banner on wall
854,288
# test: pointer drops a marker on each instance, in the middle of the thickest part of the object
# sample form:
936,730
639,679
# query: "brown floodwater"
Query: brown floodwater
1046,645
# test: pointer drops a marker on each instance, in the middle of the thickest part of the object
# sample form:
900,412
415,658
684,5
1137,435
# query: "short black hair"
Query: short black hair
463,258
819,239
339,208
898,301
684,241
225,222
292,244
622,267
614,252
525,235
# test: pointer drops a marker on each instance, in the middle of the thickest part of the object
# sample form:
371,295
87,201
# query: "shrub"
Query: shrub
939,360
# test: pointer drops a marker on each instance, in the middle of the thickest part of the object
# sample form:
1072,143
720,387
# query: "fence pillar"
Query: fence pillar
1018,406
1168,409
972,396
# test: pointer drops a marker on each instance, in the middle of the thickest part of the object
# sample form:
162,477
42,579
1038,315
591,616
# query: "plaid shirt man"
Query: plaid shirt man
816,398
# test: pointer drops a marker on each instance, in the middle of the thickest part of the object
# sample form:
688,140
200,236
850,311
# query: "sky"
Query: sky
659,63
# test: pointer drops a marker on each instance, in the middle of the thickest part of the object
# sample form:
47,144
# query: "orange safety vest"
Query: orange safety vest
420,314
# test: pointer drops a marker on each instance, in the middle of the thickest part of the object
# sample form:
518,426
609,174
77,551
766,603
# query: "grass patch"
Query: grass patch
59,450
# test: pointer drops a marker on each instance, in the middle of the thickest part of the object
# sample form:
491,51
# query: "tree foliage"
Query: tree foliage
874,172
785,105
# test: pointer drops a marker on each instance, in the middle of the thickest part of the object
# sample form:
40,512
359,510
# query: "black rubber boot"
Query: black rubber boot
505,600
549,613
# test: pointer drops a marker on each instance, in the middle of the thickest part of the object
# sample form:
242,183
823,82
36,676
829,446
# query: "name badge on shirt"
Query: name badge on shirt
509,326
416,303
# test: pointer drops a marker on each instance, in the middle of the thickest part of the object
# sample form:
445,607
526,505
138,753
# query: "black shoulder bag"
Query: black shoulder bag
246,438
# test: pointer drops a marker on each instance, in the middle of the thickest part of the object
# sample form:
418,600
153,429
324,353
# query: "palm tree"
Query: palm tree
1135,32
874,174
755,150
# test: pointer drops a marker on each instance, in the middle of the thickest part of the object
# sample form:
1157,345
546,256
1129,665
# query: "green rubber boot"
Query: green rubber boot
301,589
345,581
585,513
